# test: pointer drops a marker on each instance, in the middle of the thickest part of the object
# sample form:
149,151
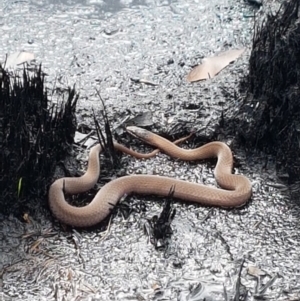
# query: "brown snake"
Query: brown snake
237,188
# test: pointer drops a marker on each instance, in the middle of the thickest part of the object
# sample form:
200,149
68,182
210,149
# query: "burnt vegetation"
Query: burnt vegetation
34,135
270,116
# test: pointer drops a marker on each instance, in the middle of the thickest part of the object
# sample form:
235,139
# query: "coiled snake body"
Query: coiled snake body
237,188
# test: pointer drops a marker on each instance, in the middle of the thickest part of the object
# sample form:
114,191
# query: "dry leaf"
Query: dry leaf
18,58
211,66
255,271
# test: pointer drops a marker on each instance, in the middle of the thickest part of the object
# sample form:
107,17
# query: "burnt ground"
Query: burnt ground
251,251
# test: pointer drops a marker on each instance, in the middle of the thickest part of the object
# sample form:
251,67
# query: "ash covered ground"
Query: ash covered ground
107,48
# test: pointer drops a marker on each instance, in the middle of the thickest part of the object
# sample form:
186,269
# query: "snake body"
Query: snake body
236,188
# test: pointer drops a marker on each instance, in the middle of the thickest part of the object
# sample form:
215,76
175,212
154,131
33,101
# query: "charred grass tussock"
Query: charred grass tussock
271,114
106,139
34,136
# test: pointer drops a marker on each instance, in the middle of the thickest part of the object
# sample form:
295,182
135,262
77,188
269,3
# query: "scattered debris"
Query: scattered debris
26,218
256,3
241,292
143,81
260,289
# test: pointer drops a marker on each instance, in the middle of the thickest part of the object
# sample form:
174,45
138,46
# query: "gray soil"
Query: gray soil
103,45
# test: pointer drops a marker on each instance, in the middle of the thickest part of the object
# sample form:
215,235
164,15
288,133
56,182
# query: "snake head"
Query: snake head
139,133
